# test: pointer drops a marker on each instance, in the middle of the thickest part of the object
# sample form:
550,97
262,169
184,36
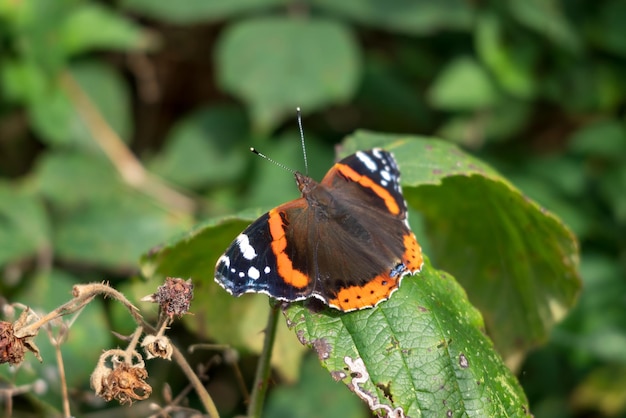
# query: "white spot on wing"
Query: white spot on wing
365,159
246,249
267,270
224,260
254,273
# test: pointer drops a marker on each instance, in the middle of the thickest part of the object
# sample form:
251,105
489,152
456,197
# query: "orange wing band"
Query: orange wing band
368,295
412,257
284,265
364,181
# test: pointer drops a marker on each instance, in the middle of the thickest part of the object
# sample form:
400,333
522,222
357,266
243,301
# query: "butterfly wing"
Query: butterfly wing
368,246
253,261
347,242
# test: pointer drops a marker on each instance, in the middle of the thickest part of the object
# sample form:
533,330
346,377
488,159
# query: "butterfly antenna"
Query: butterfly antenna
265,157
306,162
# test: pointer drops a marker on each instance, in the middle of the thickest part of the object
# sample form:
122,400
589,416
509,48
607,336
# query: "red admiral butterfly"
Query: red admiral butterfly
346,241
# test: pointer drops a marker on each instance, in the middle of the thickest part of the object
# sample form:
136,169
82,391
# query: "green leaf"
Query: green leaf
24,226
22,81
604,138
404,16
546,18
517,262
93,26
57,120
194,11
205,148
423,350
512,66
114,232
539,189
34,27
67,179
463,85
276,64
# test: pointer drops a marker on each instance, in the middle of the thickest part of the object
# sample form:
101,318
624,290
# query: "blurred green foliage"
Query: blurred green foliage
124,123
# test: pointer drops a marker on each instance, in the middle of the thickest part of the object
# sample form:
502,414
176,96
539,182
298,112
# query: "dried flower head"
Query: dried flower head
11,348
174,296
122,381
157,346
16,338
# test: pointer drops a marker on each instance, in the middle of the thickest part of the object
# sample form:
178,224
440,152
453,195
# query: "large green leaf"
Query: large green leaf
276,64
517,262
423,352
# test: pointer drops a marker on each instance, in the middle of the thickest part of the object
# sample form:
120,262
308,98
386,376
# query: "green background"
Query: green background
126,125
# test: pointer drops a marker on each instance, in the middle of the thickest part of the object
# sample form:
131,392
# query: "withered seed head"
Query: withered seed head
12,349
174,296
157,346
123,382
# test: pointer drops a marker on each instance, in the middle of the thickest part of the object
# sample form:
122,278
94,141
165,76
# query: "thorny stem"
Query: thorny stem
64,392
83,294
166,321
9,404
204,396
130,351
261,380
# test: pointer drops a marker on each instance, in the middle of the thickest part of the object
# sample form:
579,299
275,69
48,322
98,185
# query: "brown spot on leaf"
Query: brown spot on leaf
323,348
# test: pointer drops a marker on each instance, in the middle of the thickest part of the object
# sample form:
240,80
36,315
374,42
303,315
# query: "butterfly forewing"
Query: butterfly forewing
250,265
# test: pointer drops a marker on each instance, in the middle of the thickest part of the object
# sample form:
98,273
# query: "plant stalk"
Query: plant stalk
261,380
